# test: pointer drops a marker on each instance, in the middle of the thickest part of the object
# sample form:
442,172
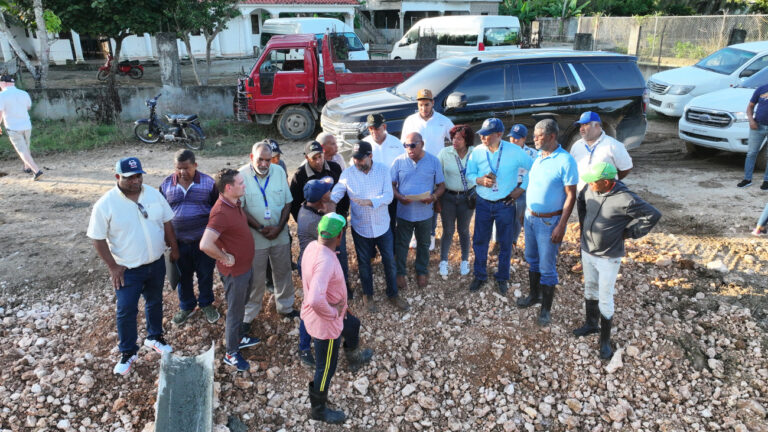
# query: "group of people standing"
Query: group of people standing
391,195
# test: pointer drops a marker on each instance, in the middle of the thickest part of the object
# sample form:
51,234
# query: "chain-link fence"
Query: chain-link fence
672,40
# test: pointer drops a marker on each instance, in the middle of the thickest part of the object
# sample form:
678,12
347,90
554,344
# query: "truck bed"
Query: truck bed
364,75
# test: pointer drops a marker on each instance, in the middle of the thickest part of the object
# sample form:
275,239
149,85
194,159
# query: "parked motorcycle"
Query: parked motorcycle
133,69
182,128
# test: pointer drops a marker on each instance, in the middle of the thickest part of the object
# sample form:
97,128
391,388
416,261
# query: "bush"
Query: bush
689,50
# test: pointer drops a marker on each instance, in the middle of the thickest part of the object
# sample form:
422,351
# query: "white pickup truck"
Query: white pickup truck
671,90
718,120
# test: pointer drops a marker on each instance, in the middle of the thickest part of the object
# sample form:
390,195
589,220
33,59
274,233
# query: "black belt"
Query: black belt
494,202
454,192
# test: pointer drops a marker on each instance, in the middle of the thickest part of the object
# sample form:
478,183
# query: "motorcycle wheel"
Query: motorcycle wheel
136,73
194,139
144,134
102,75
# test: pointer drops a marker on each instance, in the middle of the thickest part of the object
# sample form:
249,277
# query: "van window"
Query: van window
284,60
501,36
444,38
615,75
485,85
534,81
411,37
755,66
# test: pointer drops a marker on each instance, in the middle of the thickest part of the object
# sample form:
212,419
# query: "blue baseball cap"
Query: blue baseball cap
491,125
315,189
129,166
589,116
518,131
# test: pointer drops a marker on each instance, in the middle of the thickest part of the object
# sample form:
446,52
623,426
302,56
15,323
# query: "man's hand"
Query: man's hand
487,180
339,307
174,254
429,200
752,124
270,232
363,202
229,261
403,200
330,207
558,233
117,273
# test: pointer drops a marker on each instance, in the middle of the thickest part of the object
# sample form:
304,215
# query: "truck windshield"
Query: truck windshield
353,42
756,80
725,61
436,76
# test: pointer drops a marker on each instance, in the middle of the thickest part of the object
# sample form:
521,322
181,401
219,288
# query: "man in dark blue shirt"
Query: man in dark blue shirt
758,129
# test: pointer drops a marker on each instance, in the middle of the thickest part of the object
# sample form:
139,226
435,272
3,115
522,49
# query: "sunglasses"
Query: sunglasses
143,211
410,146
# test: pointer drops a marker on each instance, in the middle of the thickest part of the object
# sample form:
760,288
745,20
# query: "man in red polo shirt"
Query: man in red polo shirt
227,239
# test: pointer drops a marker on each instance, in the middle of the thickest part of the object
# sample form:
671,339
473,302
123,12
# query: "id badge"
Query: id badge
495,187
267,214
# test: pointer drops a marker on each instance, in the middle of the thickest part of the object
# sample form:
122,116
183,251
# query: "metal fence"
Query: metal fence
674,40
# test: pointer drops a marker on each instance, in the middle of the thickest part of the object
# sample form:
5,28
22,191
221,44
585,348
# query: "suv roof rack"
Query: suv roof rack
475,60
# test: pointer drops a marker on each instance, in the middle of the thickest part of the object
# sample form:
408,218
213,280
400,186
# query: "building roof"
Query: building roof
302,2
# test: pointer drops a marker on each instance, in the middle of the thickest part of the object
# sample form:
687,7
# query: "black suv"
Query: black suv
518,87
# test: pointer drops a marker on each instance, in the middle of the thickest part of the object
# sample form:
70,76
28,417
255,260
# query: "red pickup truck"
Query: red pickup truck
287,81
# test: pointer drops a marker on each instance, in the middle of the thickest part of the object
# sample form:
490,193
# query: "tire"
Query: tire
102,75
572,140
762,158
194,140
696,150
296,123
142,132
136,73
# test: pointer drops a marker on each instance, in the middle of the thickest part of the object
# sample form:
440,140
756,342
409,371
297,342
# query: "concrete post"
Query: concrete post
247,41
582,42
78,47
402,23
148,45
168,59
349,19
633,47
6,48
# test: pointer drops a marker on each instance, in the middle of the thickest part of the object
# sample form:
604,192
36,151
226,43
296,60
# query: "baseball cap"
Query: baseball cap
316,188
273,145
331,225
491,125
424,94
6,78
361,149
374,120
312,148
129,166
518,131
589,116
599,171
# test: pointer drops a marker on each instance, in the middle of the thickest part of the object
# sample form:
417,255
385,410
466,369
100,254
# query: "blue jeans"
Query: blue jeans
405,229
517,226
365,247
486,213
304,338
763,217
756,138
146,281
194,261
540,252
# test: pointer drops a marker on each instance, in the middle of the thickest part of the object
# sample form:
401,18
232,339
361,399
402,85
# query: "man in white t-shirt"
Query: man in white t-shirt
386,148
14,107
596,146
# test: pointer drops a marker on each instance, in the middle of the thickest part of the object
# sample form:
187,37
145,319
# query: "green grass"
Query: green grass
231,138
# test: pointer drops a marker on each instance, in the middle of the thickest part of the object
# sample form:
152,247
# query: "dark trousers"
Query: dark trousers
237,289
486,213
143,281
365,248
455,211
405,229
327,352
304,339
194,261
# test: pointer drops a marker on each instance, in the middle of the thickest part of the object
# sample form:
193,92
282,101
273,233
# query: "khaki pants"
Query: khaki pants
20,141
280,258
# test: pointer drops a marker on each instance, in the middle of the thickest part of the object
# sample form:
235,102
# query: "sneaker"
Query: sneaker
431,243
443,268
369,305
124,365
757,232
26,170
464,269
270,287
211,314
307,359
476,285
764,185
413,242
503,287
291,315
246,342
158,344
38,175
182,316
237,360
400,303
744,183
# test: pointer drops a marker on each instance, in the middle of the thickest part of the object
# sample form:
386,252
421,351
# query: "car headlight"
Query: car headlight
739,117
680,89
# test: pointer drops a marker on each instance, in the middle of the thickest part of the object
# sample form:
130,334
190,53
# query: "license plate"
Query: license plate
655,102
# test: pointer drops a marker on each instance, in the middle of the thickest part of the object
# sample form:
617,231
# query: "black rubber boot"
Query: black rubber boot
548,294
534,296
357,357
606,352
591,324
320,411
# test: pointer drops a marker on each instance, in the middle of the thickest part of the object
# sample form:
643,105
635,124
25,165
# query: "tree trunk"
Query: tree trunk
42,36
208,41
17,48
168,59
109,103
188,44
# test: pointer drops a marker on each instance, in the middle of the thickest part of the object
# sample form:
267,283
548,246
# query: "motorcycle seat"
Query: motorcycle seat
129,62
181,117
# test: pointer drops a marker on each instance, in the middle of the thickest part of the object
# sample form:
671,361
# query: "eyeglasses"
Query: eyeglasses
143,211
410,146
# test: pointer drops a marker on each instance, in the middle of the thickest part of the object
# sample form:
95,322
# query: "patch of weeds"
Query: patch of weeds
56,136
229,138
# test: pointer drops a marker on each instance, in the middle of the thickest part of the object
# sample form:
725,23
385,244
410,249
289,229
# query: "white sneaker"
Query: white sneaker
124,365
432,243
464,268
159,344
443,268
413,242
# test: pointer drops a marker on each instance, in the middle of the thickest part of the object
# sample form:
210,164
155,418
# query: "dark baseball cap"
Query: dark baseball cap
374,120
129,166
273,146
6,78
362,149
588,117
315,189
518,131
491,125
312,148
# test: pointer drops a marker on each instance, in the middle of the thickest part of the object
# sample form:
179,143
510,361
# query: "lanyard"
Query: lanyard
498,161
462,170
263,189
591,151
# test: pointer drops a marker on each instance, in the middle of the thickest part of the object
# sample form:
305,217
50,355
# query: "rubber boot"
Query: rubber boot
535,292
591,324
605,338
357,357
548,294
320,410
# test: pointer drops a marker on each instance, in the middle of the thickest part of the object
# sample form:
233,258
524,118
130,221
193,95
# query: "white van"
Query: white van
458,34
317,26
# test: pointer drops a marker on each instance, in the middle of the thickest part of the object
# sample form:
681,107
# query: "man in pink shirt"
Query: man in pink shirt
326,316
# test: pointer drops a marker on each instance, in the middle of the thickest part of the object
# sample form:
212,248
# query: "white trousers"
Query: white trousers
599,280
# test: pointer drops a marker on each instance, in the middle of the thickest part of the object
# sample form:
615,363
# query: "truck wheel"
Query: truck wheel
762,158
296,123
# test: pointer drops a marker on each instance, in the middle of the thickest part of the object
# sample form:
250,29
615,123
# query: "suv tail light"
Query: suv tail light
481,47
646,99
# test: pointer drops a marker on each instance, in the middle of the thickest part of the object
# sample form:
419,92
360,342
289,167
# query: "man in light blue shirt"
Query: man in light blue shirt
369,188
416,173
550,199
494,167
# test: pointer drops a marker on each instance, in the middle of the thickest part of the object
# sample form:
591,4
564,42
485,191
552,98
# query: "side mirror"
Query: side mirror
455,100
367,46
